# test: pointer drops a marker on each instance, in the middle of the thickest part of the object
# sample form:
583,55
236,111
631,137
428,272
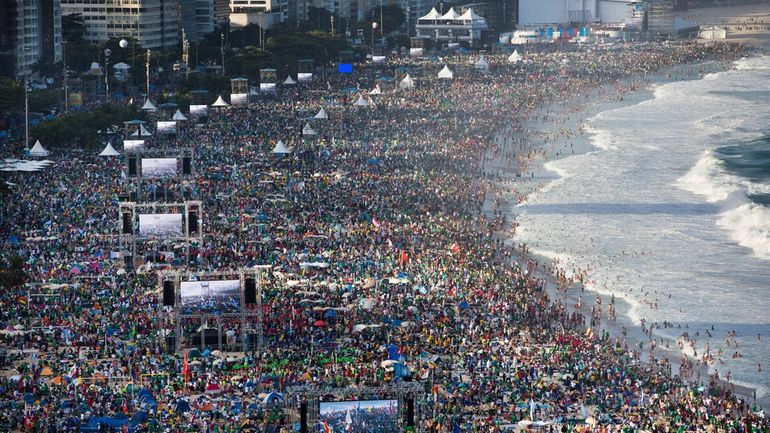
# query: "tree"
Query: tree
73,27
12,274
11,95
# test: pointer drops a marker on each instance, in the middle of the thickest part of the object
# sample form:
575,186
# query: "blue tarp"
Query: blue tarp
116,422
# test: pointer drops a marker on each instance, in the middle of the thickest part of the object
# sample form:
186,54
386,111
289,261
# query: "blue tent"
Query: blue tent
464,305
182,406
273,399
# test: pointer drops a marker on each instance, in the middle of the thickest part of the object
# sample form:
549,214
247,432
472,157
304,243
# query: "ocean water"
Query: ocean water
670,210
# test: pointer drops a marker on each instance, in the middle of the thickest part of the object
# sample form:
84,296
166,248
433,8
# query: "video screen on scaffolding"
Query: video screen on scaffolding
199,110
167,127
359,416
159,167
212,297
158,225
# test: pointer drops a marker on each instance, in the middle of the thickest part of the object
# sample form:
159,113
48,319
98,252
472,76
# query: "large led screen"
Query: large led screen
160,225
130,145
198,110
159,167
167,127
359,416
223,296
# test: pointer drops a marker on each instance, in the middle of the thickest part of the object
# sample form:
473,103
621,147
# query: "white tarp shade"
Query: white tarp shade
121,66
289,81
38,150
142,131
446,73
514,57
179,116
308,130
322,114
280,148
21,165
220,102
149,106
406,83
109,151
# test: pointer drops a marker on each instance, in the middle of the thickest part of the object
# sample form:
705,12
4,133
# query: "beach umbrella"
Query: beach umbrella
182,406
46,372
319,323
273,399
194,353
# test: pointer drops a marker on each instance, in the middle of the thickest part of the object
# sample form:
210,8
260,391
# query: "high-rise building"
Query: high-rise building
154,23
265,13
196,17
30,34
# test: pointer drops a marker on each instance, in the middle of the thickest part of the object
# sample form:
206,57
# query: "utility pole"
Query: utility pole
26,114
382,25
147,65
222,52
332,19
64,79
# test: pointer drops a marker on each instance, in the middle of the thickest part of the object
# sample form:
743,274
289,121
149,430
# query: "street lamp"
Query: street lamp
107,53
374,26
26,114
64,78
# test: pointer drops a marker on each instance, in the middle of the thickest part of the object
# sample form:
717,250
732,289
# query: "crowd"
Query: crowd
383,237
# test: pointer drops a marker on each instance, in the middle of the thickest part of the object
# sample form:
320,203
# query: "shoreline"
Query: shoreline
563,123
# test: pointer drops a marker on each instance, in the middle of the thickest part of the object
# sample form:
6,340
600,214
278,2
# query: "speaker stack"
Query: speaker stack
250,291
168,294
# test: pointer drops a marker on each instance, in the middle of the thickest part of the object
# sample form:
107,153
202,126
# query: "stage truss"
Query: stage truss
401,391
128,241
250,319
184,155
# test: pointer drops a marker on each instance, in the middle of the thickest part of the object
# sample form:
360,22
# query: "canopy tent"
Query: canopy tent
481,64
142,131
273,399
321,114
363,102
149,106
179,116
38,150
121,66
514,57
308,130
450,15
446,73
469,15
431,16
406,83
280,148
109,151
220,102
26,166
289,81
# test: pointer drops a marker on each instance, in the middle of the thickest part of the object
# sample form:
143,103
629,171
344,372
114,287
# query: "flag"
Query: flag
349,422
125,406
375,222
455,248
327,429
186,369
22,300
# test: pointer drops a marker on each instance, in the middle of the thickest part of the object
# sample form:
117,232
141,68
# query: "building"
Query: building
154,23
196,17
660,18
452,26
539,12
265,13
30,34
501,15
221,12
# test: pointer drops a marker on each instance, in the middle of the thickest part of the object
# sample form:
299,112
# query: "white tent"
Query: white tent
376,90
432,15
220,102
109,151
38,150
321,114
281,148
469,15
179,116
446,73
142,131
481,64
361,102
308,130
514,57
450,15
121,66
149,106
289,81
406,83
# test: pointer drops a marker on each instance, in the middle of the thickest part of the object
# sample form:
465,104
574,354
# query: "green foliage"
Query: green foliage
11,95
12,273
81,128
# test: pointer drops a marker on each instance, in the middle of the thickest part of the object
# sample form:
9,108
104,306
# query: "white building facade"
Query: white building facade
155,23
